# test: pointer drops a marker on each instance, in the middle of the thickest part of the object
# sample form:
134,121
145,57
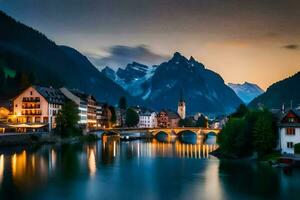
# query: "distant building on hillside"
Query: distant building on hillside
219,122
167,119
35,108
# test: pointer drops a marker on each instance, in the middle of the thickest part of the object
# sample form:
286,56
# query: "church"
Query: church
181,110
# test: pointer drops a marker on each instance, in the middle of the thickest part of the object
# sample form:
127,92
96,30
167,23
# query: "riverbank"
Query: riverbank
17,139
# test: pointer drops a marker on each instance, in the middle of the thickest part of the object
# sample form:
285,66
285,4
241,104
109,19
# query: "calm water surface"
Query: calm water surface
137,170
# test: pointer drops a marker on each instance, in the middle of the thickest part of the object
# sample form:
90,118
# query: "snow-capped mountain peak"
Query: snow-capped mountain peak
246,91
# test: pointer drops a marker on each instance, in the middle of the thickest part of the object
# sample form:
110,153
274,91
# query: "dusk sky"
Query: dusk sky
242,40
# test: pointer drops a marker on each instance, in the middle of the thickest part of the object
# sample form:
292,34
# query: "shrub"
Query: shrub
297,148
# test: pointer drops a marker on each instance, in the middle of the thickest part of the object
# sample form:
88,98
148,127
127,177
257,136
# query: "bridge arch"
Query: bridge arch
110,133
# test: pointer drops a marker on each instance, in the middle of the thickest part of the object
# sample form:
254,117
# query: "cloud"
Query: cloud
291,46
120,56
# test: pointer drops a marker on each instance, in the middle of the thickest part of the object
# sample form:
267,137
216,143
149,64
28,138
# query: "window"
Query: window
30,92
290,131
16,105
291,119
289,145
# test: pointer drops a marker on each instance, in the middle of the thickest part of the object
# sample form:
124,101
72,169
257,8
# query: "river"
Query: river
143,169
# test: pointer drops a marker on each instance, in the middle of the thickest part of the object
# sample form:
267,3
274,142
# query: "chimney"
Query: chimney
282,108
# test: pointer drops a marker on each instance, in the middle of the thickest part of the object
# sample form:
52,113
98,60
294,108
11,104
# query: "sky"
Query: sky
243,40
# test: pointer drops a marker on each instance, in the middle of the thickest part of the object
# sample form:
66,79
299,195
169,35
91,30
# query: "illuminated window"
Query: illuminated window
290,131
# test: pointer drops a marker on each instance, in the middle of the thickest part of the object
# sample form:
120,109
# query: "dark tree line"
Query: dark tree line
12,85
248,132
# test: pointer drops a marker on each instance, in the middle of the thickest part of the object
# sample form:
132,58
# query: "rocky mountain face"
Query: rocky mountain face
24,49
160,86
283,92
246,91
133,78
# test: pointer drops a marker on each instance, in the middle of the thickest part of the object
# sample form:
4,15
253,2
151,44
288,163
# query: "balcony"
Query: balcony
31,112
31,99
31,107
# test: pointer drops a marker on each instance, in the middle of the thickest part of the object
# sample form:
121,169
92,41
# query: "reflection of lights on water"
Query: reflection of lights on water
179,149
53,159
114,147
19,164
1,167
92,163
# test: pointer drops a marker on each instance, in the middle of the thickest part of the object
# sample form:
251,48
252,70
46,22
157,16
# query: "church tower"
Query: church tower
181,106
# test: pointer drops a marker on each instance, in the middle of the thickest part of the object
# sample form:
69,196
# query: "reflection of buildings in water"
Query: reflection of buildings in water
91,159
52,160
110,150
28,167
155,148
1,168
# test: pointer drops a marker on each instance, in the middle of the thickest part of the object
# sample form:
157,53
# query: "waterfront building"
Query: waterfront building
87,107
104,115
289,131
147,119
167,119
36,107
4,112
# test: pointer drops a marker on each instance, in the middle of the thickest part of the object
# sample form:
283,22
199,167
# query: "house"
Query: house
219,122
147,119
167,119
35,108
4,112
104,115
87,106
289,130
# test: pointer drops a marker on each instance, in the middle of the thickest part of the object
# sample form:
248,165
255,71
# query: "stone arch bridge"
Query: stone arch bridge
170,131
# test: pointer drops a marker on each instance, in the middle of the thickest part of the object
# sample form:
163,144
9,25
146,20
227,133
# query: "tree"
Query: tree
132,117
187,122
264,135
67,120
2,79
202,122
113,118
233,138
297,148
123,103
240,112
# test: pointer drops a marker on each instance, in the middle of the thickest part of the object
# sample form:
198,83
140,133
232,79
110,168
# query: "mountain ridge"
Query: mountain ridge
24,49
246,91
161,88
279,93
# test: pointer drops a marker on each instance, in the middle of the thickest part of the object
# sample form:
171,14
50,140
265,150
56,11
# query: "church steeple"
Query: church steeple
181,96
181,105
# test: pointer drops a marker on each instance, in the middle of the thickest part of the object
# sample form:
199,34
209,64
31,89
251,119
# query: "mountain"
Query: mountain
132,78
23,49
246,91
282,92
160,86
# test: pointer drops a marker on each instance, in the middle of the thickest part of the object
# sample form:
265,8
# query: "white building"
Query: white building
147,120
36,107
289,131
87,106
80,102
